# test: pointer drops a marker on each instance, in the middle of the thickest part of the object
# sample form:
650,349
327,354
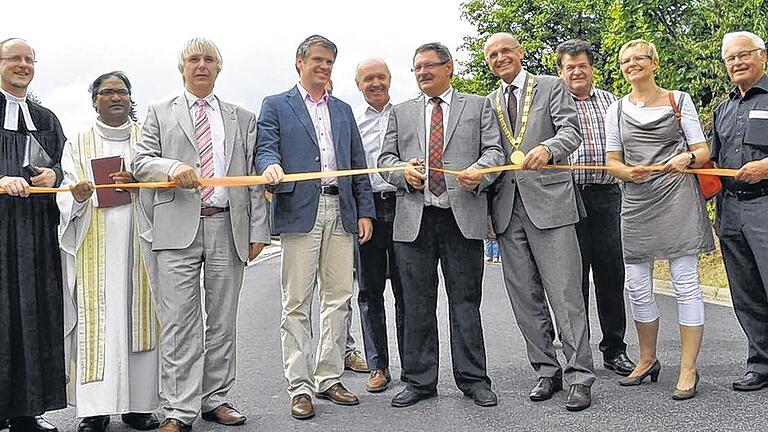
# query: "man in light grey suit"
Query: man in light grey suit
441,218
192,136
534,213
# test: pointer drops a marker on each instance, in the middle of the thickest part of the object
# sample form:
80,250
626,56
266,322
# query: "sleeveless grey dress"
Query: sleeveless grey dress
664,217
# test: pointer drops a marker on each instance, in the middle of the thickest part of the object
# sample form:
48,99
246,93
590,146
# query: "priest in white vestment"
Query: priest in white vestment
110,320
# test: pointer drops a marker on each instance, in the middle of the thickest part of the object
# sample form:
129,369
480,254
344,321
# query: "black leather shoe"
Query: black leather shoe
751,381
93,424
621,364
30,424
545,388
141,421
579,398
408,397
483,397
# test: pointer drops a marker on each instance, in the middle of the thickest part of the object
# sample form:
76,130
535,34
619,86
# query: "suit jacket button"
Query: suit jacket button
317,158
197,164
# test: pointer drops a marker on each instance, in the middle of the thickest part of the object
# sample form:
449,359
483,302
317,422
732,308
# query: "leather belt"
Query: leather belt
210,211
746,195
384,196
329,190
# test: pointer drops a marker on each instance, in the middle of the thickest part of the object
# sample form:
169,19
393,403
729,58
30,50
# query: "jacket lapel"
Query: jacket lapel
300,110
421,132
528,77
181,112
229,117
457,106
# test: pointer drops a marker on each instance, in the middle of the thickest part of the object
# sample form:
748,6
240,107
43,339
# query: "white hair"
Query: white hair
729,37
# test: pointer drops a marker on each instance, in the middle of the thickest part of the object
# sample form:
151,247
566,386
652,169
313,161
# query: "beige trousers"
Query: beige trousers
323,258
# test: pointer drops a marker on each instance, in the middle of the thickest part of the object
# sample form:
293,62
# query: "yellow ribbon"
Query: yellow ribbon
239,181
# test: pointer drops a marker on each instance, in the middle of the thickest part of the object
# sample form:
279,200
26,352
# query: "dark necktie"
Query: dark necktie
436,178
512,106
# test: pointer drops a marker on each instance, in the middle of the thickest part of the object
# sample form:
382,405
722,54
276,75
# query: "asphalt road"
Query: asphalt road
260,390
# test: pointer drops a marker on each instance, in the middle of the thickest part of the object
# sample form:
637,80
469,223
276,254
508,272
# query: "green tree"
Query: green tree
687,34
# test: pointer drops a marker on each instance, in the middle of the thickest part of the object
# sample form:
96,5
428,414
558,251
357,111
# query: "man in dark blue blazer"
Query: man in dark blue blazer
307,130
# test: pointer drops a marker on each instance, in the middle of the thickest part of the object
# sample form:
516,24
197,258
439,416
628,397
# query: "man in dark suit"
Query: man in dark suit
441,218
307,130
534,212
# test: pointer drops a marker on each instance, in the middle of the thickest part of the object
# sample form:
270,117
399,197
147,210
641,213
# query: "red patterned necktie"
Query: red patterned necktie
436,178
204,146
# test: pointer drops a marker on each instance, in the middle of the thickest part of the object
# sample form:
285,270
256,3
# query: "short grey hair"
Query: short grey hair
315,40
729,37
200,46
11,39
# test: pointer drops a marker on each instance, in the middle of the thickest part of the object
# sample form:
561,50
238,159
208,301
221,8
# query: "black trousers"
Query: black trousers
376,260
599,236
461,260
744,243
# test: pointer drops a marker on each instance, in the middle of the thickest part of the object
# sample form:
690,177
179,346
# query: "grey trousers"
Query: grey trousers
535,262
198,360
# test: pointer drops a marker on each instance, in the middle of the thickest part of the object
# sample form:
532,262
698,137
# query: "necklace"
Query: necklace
641,104
517,155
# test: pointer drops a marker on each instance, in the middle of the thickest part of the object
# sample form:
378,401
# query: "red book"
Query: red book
102,167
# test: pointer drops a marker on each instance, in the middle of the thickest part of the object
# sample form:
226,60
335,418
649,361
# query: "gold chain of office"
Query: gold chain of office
517,155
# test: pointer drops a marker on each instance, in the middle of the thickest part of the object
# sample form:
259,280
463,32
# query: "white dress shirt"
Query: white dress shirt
220,197
321,120
519,83
373,126
13,105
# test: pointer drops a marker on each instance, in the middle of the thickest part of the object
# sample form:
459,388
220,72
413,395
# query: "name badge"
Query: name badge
758,114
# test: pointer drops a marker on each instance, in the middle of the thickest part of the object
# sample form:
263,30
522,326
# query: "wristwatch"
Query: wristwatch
692,162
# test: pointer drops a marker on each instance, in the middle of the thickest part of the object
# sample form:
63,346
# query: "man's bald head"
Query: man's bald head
372,77
17,66
504,56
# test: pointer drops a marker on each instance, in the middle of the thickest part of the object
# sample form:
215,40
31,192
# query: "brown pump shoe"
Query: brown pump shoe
378,381
301,407
224,414
339,395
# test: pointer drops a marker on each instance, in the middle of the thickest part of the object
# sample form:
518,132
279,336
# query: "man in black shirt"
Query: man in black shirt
740,141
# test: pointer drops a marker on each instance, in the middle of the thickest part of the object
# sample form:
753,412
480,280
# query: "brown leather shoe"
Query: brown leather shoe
378,381
173,425
224,414
339,395
355,362
301,407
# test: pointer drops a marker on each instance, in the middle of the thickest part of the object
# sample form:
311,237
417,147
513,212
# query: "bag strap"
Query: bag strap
678,114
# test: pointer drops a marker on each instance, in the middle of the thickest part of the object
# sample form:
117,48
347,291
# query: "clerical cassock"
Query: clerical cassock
32,378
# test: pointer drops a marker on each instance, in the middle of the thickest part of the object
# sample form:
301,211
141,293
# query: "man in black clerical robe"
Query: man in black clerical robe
32,377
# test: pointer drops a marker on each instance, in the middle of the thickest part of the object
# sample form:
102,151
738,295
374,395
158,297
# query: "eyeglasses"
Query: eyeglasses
743,56
427,66
18,59
111,92
636,59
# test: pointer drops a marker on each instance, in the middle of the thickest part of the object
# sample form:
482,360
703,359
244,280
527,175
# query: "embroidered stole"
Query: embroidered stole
91,270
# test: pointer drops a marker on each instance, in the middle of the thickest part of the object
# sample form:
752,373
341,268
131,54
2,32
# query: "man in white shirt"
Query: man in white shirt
377,256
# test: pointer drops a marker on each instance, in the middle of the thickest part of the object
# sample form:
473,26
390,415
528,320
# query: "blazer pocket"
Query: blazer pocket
164,196
284,188
560,177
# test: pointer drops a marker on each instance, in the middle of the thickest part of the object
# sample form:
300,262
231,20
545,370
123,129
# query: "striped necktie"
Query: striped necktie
204,146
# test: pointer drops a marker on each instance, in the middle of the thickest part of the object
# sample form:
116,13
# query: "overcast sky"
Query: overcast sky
75,41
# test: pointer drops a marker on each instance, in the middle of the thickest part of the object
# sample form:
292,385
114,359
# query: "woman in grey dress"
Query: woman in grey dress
663,214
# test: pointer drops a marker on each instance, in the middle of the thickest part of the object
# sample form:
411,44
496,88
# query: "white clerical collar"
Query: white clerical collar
12,106
112,133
